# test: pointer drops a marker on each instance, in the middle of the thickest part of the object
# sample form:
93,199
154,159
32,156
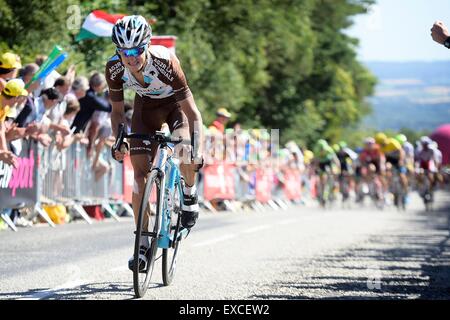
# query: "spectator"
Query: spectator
13,89
297,160
92,102
79,88
73,106
37,110
223,116
40,59
26,74
9,65
62,85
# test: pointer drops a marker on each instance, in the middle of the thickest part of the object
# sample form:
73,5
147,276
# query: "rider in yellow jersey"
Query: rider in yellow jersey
395,155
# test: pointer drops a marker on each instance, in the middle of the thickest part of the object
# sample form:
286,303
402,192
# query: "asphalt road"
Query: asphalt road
300,253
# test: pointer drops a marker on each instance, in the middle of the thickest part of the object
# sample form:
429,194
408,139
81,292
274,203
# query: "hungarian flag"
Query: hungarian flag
98,24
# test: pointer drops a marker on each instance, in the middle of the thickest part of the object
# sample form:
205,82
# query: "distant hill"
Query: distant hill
413,95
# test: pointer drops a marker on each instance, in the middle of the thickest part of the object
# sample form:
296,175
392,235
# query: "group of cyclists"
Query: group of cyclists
385,169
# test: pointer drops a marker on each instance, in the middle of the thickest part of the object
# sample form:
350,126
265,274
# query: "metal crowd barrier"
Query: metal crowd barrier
67,177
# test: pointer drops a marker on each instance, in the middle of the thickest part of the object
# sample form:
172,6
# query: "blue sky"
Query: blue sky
399,30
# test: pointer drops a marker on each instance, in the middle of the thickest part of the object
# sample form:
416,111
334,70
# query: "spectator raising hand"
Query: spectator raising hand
439,32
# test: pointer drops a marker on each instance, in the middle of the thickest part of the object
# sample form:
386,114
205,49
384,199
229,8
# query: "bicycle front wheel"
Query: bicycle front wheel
169,257
147,233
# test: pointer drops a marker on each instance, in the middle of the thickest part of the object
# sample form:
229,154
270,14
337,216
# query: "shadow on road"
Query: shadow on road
88,291
412,263
95,290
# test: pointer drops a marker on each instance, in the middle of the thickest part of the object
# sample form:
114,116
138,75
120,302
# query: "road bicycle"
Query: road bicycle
162,197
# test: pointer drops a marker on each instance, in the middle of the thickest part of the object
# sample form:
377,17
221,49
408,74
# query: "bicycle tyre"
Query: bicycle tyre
141,289
170,255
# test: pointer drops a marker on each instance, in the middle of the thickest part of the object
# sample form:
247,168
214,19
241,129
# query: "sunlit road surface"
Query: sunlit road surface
300,253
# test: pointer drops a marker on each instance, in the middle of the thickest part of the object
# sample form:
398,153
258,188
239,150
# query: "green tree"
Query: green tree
275,64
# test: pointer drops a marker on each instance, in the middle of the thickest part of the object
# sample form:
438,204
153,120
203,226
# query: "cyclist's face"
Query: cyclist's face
134,63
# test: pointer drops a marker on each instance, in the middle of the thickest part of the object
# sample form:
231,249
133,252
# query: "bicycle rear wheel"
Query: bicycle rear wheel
147,228
169,256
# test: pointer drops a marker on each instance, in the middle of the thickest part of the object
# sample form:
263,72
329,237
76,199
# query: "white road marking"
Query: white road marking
288,221
214,240
256,229
51,292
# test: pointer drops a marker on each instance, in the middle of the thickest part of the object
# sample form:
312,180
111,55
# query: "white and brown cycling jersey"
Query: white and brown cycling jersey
155,103
162,74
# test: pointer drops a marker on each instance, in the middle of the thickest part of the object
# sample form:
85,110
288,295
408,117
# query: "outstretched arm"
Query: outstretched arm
439,32
195,123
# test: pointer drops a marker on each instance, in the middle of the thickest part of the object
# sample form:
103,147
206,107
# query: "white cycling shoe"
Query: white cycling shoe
142,259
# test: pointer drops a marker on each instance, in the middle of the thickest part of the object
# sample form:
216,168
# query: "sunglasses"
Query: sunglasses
133,52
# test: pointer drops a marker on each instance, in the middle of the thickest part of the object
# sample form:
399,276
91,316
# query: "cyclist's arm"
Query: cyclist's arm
352,154
195,120
188,104
382,162
113,75
337,162
401,158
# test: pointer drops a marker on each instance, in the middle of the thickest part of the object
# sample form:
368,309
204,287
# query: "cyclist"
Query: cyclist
162,96
395,156
427,161
409,151
438,157
372,165
346,158
327,164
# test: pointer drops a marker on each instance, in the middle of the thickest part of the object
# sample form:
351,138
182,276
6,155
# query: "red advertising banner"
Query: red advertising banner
128,180
218,182
264,184
292,184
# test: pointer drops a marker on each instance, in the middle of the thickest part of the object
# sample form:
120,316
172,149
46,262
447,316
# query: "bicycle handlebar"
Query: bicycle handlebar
159,137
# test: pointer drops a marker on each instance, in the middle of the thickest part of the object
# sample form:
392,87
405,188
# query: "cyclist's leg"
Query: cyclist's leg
179,126
141,166
188,110
147,119
141,156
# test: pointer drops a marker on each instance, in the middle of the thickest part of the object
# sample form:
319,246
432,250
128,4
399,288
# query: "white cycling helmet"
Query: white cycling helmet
425,140
434,145
131,32
369,140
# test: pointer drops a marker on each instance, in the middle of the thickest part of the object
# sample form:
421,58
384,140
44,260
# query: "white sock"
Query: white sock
189,190
145,242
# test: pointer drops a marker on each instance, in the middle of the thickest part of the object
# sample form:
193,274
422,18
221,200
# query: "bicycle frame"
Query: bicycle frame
169,176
